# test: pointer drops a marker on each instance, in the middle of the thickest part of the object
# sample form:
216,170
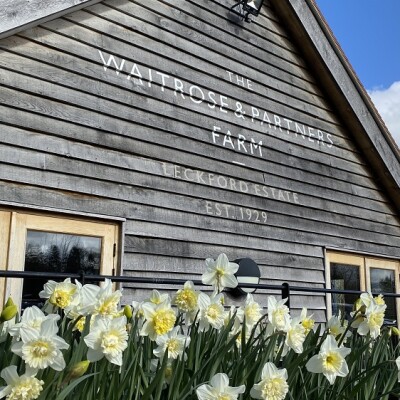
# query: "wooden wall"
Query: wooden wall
208,136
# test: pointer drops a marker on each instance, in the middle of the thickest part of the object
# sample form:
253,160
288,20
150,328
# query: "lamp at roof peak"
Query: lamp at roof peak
245,7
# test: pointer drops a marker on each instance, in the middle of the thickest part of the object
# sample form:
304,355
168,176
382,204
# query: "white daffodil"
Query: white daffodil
32,317
107,338
306,320
278,314
374,318
59,294
41,348
174,342
295,336
107,300
211,312
157,298
273,385
219,389
330,360
398,368
337,327
186,301
251,312
5,329
24,387
220,273
159,319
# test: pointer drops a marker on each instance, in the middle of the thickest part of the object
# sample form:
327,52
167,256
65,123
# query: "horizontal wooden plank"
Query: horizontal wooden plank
83,152
275,92
122,140
163,184
123,111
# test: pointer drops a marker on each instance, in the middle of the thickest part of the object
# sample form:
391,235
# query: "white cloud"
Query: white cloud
387,101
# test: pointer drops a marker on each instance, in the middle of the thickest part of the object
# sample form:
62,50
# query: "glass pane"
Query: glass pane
57,252
383,281
344,277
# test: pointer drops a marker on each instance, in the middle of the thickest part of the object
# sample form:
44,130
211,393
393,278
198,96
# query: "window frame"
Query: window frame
13,229
365,263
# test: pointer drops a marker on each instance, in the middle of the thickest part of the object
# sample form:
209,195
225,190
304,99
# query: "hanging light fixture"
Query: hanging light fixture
244,8
247,273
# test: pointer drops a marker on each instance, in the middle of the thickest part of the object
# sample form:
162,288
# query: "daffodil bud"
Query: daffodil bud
9,302
394,331
78,369
128,312
9,312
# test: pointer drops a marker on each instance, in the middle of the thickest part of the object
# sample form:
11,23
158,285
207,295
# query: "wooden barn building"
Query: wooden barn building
140,137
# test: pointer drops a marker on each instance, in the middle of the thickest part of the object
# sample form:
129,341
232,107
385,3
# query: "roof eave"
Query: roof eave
346,93
18,15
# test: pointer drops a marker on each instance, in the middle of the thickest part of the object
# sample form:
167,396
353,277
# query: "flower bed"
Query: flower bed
83,345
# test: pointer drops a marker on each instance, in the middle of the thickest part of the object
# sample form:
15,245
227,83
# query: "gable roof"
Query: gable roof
345,90
318,44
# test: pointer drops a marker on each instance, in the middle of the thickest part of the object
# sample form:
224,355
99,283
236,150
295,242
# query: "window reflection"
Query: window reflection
344,277
57,252
383,281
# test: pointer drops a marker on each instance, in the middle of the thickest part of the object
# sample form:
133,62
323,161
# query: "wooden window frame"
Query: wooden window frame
13,233
365,262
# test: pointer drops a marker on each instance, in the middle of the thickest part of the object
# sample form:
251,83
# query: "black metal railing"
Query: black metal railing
284,288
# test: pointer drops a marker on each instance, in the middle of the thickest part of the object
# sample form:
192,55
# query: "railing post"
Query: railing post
286,293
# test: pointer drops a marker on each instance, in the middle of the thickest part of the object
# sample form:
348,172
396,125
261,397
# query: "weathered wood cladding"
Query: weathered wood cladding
155,111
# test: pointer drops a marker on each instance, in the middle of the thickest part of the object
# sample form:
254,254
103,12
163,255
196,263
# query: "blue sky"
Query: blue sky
369,34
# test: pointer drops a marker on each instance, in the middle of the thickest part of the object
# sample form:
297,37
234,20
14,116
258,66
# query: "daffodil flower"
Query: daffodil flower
186,300
24,387
159,319
374,318
278,314
273,385
306,320
157,298
41,348
250,312
59,294
219,389
211,312
330,361
220,273
295,336
174,342
32,317
107,338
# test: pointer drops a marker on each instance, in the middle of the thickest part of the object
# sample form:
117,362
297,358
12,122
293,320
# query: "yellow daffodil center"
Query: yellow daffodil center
332,362
186,300
62,297
213,312
163,321
223,396
252,312
173,345
27,389
308,324
40,349
39,353
379,301
274,388
113,341
376,319
109,306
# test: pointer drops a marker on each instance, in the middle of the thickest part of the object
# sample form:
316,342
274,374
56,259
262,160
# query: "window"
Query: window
45,243
356,272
